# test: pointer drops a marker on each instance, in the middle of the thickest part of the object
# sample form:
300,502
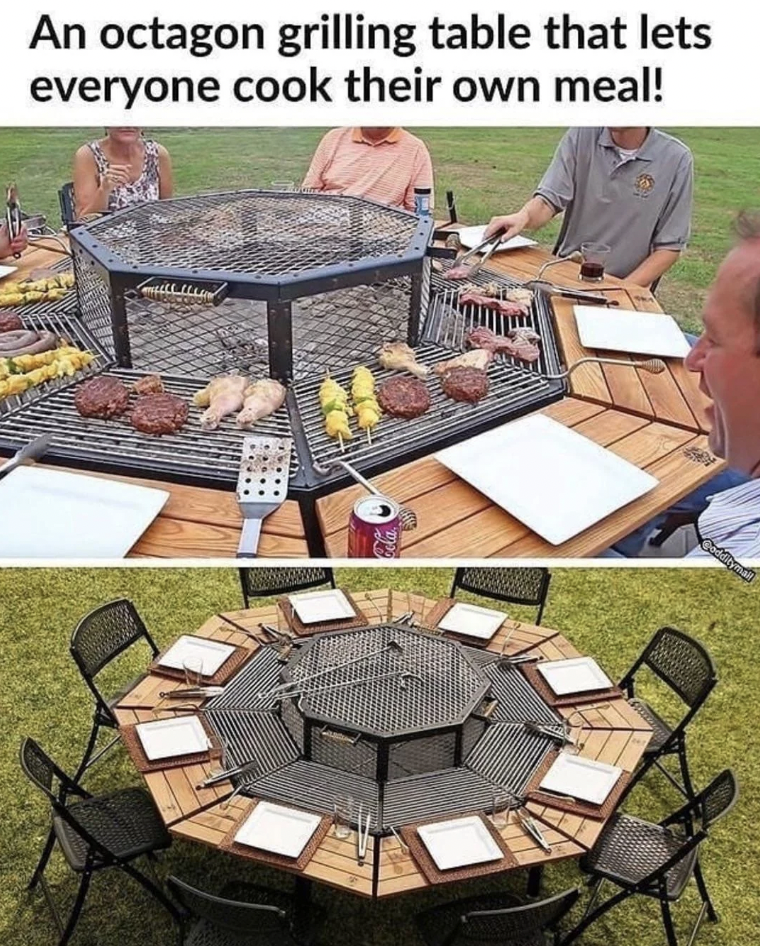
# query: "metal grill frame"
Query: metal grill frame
121,277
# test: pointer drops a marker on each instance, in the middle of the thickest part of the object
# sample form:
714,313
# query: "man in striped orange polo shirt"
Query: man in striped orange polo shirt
382,164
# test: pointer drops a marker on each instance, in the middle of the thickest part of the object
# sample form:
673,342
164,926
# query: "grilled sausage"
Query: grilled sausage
26,342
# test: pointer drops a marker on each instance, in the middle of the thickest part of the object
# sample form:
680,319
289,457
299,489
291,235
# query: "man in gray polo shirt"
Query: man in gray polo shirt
630,188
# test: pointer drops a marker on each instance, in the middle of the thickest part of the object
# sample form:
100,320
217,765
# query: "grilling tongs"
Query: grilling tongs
487,248
262,486
13,214
32,451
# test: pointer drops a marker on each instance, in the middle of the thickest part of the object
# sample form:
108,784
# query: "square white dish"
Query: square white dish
170,738
459,842
576,675
581,778
7,270
212,654
314,607
278,829
54,514
554,480
646,333
472,621
471,237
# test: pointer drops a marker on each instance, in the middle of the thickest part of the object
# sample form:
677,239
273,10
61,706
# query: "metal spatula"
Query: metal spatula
262,485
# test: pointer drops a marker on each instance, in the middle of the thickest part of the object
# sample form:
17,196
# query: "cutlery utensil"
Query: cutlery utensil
31,451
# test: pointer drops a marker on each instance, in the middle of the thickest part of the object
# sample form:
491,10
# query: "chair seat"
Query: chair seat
437,924
661,731
126,823
629,849
306,923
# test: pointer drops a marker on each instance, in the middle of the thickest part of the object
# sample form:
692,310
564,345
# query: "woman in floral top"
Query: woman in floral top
120,170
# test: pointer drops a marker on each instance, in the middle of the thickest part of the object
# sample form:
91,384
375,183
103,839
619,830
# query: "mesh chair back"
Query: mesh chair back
717,799
104,633
258,921
518,585
517,923
265,582
66,200
682,663
45,774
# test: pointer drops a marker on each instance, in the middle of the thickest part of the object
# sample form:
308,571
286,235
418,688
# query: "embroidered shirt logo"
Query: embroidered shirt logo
644,184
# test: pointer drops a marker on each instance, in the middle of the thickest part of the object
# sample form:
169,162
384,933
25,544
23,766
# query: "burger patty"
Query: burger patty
465,384
102,397
10,322
159,414
404,397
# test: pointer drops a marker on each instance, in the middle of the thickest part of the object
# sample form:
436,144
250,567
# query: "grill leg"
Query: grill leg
667,919
535,875
76,910
280,330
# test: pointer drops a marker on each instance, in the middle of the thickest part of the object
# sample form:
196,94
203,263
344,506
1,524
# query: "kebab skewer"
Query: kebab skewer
365,405
336,410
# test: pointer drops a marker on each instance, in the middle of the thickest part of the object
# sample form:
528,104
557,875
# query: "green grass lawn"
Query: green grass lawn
490,170
609,613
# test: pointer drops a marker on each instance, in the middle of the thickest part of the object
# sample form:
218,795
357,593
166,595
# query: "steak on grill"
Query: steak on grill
520,343
103,397
10,321
465,384
159,414
404,397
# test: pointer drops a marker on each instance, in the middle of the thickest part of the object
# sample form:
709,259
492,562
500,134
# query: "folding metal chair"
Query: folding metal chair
686,667
266,582
498,918
657,860
94,833
99,638
66,201
243,915
528,586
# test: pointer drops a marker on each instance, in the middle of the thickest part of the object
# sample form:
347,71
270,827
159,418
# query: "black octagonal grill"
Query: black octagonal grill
283,284
410,724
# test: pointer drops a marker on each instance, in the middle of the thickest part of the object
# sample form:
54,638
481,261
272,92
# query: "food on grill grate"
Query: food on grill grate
27,371
41,290
159,414
150,384
366,408
398,356
520,343
10,322
334,402
103,397
404,397
222,396
518,294
502,306
458,272
465,384
26,342
262,398
480,359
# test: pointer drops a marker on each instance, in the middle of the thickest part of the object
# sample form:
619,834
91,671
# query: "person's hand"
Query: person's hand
9,247
511,224
115,175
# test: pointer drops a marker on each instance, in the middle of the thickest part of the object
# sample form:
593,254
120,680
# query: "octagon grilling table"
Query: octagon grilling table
456,757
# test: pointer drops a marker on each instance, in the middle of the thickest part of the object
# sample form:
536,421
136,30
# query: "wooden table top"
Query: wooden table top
656,422
616,734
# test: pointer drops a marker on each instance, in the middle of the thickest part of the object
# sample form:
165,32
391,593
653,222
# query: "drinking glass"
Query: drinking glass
594,260
500,805
218,754
193,667
343,815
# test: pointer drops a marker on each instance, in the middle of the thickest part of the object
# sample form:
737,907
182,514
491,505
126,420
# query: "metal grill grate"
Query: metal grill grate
260,674
261,233
350,755
93,299
422,755
508,755
192,454
516,699
411,800
253,737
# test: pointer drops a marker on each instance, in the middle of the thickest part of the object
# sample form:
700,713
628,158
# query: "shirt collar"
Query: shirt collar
393,136
644,152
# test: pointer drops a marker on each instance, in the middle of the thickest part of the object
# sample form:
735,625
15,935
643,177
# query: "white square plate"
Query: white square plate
7,270
554,480
52,514
212,654
581,778
646,333
473,236
317,606
459,842
168,738
472,621
577,675
280,830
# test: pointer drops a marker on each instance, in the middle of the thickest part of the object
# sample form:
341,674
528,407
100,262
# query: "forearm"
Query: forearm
655,265
538,212
93,203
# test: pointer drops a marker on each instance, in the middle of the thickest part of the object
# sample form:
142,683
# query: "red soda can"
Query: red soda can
374,529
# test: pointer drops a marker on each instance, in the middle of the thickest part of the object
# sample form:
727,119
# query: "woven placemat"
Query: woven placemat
539,684
135,749
574,807
430,869
305,630
267,857
225,673
439,612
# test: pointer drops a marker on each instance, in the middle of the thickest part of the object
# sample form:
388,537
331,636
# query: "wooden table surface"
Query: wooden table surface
615,733
656,422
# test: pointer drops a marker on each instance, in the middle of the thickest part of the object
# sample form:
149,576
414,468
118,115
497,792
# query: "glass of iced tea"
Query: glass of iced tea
594,260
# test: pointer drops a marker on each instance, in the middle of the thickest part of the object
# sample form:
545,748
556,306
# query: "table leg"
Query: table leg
534,881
